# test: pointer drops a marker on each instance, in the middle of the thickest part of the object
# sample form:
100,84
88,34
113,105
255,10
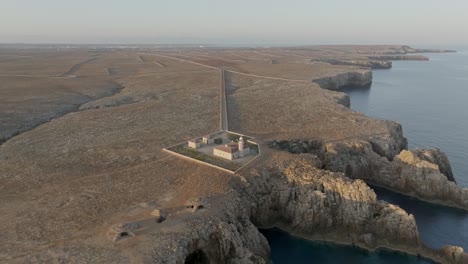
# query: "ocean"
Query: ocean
429,99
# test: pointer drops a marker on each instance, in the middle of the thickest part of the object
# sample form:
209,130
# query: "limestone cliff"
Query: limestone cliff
408,49
297,196
293,193
373,64
343,80
424,174
224,238
400,57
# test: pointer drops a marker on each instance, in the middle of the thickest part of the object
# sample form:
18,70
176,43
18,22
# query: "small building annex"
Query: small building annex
208,139
194,143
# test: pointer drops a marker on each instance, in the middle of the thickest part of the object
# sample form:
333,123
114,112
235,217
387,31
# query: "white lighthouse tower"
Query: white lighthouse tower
241,147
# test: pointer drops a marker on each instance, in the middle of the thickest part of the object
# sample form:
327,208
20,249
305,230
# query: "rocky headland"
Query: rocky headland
409,49
96,185
373,64
295,194
348,79
400,57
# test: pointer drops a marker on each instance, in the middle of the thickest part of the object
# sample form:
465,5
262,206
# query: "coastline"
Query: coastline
435,202
359,80
335,238
423,251
317,185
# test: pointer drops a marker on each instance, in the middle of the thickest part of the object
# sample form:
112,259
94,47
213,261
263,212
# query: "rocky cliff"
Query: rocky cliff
373,64
383,159
227,237
293,193
297,196
400,57
343,80
408,49
424,174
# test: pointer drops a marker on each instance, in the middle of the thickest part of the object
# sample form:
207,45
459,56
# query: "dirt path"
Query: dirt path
159,64
224,116
76,67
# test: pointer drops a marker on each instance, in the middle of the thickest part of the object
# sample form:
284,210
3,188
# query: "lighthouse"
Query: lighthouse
241,147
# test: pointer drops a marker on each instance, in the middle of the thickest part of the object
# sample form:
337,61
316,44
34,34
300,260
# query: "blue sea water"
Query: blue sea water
429,98
293,250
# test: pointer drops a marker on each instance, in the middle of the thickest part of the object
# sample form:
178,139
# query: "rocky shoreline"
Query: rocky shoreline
399,57
385,161
315,190
373,64
292,193
343,80
96,185
309,190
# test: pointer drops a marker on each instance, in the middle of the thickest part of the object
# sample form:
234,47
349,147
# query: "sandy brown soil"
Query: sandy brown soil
63,183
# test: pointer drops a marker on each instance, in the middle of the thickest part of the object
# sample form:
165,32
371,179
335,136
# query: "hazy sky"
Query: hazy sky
260,22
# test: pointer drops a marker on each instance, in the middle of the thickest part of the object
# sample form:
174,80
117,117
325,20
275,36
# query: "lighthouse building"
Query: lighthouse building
232,150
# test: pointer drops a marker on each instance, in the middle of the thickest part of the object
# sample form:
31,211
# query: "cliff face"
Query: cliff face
349,79
383,159
408,49
437,157
429,180
307,201
424,174
373,64
221,232
400,57
293,193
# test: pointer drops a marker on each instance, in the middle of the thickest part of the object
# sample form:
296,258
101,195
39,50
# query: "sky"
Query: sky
239,22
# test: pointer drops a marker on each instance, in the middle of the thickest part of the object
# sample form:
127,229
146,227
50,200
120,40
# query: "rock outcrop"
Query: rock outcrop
291,192
427,180
349,79
400,57
294,194
310,202
424,174
408,49
373,64
437,157
220,233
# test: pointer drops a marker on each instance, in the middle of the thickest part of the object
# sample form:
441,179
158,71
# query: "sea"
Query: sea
430,100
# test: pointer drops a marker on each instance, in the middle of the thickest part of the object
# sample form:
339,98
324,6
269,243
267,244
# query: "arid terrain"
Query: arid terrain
82,133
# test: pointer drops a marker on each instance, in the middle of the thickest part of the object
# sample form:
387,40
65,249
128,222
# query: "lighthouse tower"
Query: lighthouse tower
241,147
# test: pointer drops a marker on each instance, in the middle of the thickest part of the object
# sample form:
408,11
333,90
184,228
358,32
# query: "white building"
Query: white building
194,143
232,150
243,150
226,152
209,139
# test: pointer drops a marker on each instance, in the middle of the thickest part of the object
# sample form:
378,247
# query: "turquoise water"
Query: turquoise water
430,100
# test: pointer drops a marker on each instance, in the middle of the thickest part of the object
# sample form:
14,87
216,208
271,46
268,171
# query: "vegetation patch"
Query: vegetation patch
226,164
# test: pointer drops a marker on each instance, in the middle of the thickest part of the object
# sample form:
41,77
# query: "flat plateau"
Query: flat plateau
82,155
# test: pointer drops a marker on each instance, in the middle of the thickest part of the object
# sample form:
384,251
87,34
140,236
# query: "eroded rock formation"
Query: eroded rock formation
293,193
400,57
307,201
373,64
424,174
343,80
